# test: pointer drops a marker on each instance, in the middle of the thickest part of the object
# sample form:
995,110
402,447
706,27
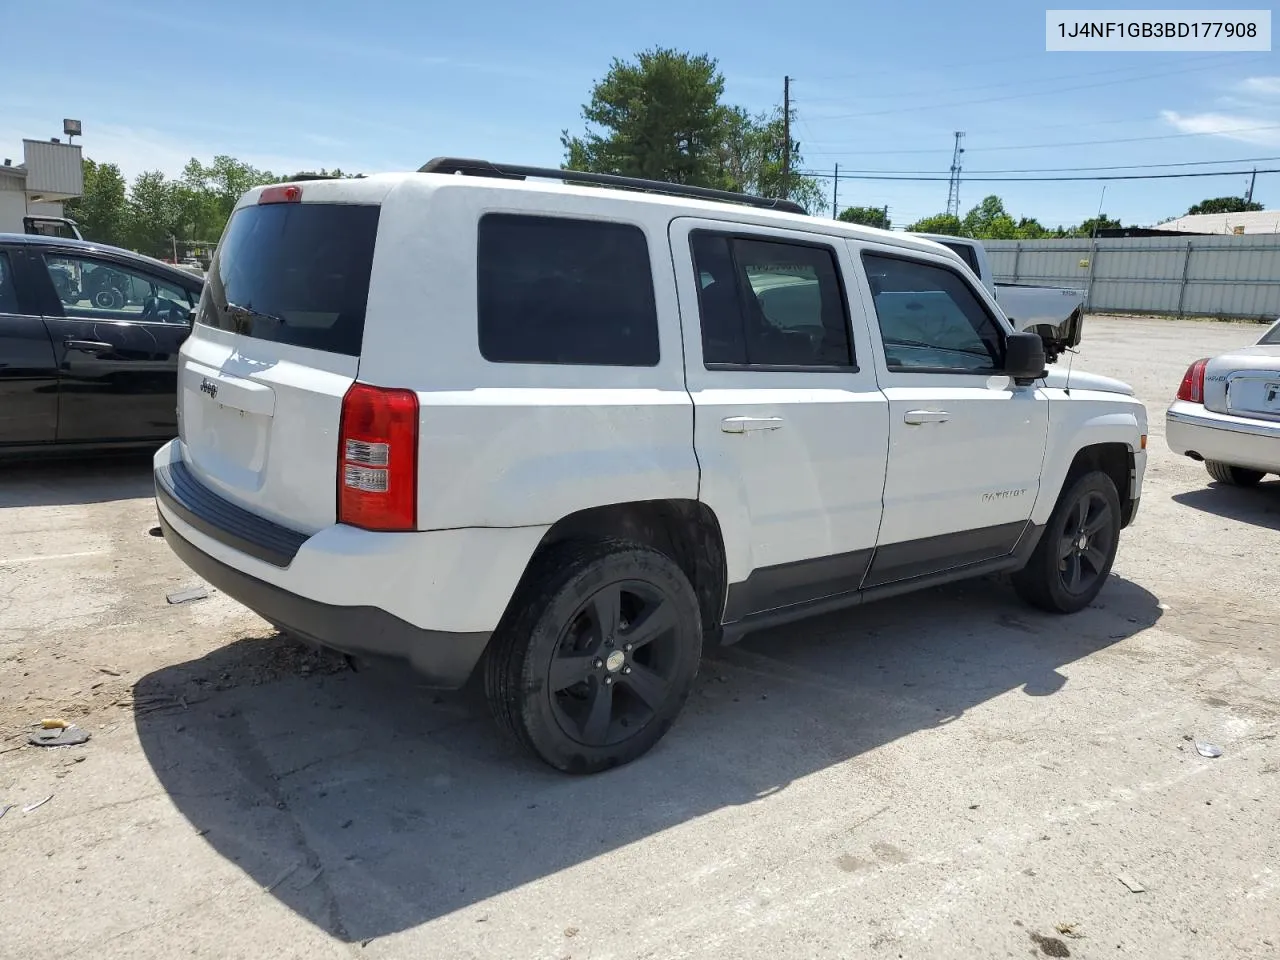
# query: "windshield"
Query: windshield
295,273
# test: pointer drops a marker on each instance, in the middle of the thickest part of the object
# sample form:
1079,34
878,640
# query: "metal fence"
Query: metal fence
1231,276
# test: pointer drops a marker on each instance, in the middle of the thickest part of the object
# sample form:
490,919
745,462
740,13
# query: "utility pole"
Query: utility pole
1248,197
786,137
953,189
835,193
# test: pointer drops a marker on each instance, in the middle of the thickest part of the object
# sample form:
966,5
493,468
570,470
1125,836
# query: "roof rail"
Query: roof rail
504,171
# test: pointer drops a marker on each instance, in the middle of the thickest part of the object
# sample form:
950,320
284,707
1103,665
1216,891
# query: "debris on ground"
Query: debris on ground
57,733
1050,946
108,671
1209,750
1069,930
186,596
1133,885
5,808
39,803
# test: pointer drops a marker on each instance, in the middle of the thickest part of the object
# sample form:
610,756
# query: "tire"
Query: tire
569,678
1233,476
1061,577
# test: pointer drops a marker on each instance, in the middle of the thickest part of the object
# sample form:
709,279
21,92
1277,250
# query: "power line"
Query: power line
1123,166
1025,94
1217,58
967,62
973,179
1076,143
1075,125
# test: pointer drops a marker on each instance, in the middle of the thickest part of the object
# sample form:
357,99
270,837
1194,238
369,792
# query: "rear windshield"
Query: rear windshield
295,273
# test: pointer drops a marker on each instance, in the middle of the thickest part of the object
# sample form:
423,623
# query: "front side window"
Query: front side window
930,318
769,303
102,290
565,291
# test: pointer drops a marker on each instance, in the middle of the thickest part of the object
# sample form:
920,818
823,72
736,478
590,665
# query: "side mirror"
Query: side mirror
1024,357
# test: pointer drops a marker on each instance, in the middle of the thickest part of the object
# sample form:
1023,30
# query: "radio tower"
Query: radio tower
953,190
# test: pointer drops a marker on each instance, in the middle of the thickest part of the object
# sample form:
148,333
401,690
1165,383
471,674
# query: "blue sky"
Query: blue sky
387,84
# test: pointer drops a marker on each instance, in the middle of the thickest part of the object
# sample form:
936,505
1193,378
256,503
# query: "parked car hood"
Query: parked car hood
1083,380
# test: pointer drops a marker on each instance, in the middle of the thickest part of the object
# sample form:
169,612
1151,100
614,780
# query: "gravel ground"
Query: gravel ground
945,775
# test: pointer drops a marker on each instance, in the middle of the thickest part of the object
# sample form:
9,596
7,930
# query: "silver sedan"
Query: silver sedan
1227,413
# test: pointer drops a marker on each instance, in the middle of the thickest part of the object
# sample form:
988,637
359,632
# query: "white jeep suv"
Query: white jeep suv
569,435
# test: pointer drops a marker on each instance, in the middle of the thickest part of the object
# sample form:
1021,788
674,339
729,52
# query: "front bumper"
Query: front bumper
1202,434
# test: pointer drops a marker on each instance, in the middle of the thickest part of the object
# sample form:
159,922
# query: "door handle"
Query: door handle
88,346
749,424
927,416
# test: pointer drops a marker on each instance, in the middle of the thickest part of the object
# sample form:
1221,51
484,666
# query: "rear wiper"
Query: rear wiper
241,314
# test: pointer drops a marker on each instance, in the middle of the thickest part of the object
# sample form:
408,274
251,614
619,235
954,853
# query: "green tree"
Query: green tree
989,220
102,210
1223,205
1029,228
752,160
1100,222
867,216
943,223
658,117
211,192
155,214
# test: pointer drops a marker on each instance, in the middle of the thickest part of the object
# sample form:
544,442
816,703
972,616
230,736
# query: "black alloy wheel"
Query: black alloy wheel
1086,544
596,655
1073,558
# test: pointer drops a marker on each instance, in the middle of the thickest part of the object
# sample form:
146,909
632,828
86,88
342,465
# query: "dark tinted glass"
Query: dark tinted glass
930,318
718,300
8,295
295,273
965,253
770,303
557,290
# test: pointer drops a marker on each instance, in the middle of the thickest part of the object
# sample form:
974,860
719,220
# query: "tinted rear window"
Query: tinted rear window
558,290
295,273
965,253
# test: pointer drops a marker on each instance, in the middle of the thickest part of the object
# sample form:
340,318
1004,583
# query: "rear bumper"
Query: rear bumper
444,659
429,597
1201,434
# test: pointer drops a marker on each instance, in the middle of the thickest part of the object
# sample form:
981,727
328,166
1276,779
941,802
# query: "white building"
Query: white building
50,173
1255,221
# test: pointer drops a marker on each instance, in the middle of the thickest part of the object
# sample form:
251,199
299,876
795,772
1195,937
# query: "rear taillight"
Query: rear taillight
1192,388
378,459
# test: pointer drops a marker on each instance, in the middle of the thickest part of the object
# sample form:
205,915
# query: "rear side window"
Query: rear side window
295,273
558,290
769,303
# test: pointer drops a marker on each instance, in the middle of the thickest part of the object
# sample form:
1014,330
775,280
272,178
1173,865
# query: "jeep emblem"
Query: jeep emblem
209,387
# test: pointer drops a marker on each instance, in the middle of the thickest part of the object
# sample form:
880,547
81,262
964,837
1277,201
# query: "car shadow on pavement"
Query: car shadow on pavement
1259,506
65,481
369,805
